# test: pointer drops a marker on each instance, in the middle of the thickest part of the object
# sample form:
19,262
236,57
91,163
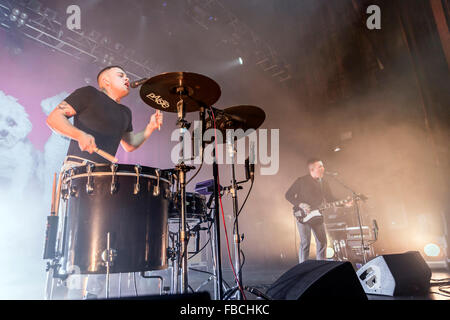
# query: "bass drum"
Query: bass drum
128,203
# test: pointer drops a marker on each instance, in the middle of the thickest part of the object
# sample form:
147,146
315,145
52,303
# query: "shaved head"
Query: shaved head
114,82
103,72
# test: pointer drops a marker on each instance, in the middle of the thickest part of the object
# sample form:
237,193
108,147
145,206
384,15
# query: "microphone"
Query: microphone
137,83
331,173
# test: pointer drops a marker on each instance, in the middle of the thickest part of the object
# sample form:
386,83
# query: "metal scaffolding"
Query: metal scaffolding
212,14
41,24
30,19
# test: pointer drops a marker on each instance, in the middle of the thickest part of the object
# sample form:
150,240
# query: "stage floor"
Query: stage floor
262,279
200,280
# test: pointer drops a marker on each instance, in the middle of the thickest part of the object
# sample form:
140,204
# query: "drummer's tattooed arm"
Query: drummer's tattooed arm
67,109
58,121
131,141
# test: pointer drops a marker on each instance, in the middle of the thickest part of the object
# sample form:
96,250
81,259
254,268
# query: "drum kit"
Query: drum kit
114,218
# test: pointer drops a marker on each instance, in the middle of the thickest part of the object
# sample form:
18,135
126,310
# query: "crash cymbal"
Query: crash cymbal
163,91
239,117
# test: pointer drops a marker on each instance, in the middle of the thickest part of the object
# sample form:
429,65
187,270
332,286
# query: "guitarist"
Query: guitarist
307,192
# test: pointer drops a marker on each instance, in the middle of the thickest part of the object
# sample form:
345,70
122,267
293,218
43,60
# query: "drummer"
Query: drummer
100,121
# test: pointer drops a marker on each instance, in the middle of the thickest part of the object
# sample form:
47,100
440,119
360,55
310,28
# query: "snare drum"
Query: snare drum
128,202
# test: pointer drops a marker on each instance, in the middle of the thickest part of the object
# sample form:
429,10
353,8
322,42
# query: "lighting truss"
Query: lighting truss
43,26
211,13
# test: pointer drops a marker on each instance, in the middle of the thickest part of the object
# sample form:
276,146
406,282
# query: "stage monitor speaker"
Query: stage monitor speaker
405,274
314,279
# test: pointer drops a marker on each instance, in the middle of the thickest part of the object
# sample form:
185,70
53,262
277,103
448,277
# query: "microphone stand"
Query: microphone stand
356,197
237,236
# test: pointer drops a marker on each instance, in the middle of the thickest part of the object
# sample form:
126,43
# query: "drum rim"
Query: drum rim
120,167
98,174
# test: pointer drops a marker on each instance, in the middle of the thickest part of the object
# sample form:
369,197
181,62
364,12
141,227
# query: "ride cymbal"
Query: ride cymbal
238,117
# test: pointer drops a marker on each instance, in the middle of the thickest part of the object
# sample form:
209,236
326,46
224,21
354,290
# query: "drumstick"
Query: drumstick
52,210
106,155
159,126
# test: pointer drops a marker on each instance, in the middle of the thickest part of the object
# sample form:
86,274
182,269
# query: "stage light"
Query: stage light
330,253
337,149
241,61
17,16
432,250
107,59
105,41
14,14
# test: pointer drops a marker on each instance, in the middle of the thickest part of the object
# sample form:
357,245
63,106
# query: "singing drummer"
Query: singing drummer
100,120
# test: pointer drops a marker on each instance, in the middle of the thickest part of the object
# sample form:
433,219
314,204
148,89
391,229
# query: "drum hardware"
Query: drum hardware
183,235
236,237
242,117
182,169
167,193
89,185
180,92
156,190
137,185
108,257
114,167
73,191
67,190
51,228
50,270
161,281
245,118
172,254
217,256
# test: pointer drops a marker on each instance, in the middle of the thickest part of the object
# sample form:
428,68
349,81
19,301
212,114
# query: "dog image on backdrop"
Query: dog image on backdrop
17,154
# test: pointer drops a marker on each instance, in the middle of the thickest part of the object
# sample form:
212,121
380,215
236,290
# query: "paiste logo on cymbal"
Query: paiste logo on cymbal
163,103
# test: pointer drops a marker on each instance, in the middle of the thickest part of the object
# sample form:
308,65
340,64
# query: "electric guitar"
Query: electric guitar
315,215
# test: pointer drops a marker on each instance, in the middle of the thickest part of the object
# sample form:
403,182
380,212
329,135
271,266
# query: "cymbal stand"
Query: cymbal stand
215,243
182,169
